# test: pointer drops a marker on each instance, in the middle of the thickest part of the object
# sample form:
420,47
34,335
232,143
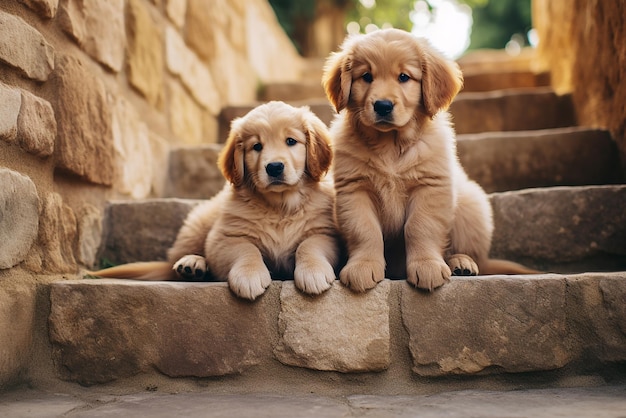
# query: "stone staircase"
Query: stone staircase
559,205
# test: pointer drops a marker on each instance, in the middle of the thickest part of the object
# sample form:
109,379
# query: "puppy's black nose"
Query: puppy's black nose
383,107
275,169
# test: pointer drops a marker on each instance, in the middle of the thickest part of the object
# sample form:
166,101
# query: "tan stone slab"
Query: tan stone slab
102,330
511,110
338,330
141,231
37,125
469,326
9,112
575,156
485,80
24,48
562,228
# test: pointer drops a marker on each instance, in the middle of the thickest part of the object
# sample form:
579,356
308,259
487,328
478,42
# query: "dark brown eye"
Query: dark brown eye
257,147
403,78
291,142
367,77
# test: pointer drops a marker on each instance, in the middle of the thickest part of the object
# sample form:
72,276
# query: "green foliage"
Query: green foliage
394,12
497,20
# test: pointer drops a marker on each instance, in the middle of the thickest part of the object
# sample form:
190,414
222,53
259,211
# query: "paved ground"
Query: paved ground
607,401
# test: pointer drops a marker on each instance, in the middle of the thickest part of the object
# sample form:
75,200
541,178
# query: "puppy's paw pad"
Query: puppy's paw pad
314,277
362,275
191,267
462,265
428,274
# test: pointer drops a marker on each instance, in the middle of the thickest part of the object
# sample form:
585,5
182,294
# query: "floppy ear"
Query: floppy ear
441,79
319,155
230,160
337,79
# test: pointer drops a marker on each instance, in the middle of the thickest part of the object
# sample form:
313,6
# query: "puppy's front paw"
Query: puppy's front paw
249,282
462,265
314,277
362,275
191,267
428,274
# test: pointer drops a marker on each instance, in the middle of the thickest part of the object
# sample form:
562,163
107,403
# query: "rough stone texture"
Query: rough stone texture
89,234
145,53
17,313
511,110
45,8
501,161
470,326
561,225
131,233
133,151
57,238
591,59
37,125
186,118
295,91
193,73
24,48
176,10
490,80
98,27
10,102
102,330
598,315
19,217
193,172
85,141
338,330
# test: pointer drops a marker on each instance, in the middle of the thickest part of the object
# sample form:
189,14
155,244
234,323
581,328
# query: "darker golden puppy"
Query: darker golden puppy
403,200
273,219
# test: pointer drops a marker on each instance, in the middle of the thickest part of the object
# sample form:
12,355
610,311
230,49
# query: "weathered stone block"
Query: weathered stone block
89,230
185,115
102,330
193,172
560,225
24,48
597,314
133,152
145,53
338,330
472,325
85,140
512,110
142,231
36,125
193,73
19,217
501,161
10,103
56,241
17,314
98,27
45,8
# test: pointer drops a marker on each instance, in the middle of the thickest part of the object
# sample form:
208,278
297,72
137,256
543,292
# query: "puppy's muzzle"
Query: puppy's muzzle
383,108
275,169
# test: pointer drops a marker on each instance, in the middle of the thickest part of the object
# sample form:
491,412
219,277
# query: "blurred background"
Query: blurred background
453,26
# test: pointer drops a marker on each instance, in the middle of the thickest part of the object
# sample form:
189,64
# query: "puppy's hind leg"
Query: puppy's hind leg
470,237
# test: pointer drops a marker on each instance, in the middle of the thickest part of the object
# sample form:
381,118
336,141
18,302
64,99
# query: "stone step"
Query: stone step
290,92
499,161
105,330
560,229
472,112
475,81
512,110
574,156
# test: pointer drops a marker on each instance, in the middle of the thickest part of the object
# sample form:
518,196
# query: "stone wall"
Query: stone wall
94,94
582,43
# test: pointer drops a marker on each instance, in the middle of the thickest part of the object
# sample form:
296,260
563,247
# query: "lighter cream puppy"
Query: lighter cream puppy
274,218
404,204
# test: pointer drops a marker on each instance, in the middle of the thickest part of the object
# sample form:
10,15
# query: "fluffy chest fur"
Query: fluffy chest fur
391,166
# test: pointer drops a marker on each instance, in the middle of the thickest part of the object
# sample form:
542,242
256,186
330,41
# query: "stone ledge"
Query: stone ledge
103,330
